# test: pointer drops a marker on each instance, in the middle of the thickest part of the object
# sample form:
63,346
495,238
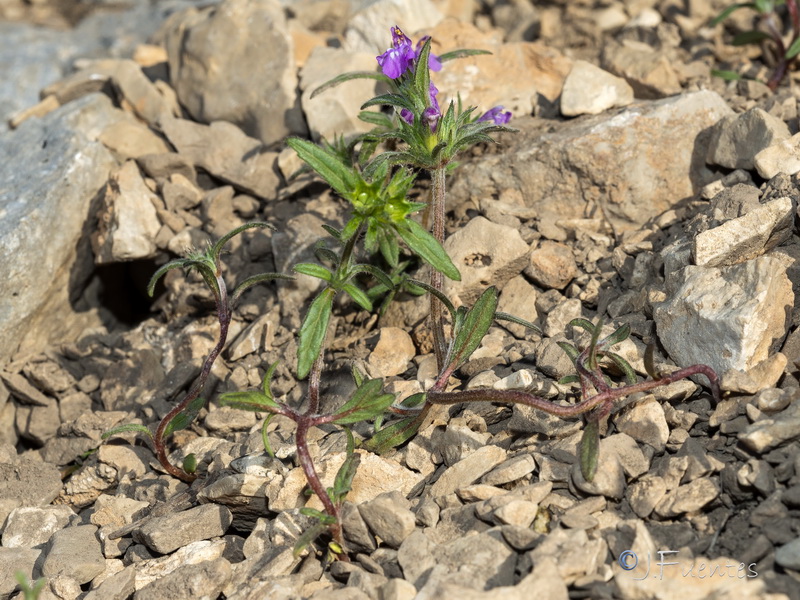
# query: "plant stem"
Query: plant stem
519,397
438,194
224,317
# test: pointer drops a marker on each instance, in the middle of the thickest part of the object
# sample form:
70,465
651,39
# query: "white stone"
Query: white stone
369,29
589,90
782,157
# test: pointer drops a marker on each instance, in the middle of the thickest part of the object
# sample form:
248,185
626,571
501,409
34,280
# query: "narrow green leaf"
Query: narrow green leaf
343,482
749,37
726,75
462,53
377,273
570,350
476,323
727,13
501,316
764,6
620,334
313,331
623,365
422,76
265,435
394,434
358,295
425,245
367,402
590,450
389,100
184,418
190,463
254,280
376,118
794,49
127,428
217,248
432,290
583,324
332,231
179,263
348,77
567,379
313,270
253,401
308,536
327,164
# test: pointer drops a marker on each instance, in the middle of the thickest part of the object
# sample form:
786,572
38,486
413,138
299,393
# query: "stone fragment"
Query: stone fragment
170,532
203,580
234,62
520,70
589,90
369,28
510,470
552,265
633,165
741,308
256,337
52,168
128,139
393,352
127,220
780,157
195,553
29,526
335,111
746,237
518,298
648,71
226,152
609,480
12,561
687,498
38,423
517,512
23,391
737,139
119,586
74,552
388,518
573,553
29,482
788,555
769,432
645,422
485,254
468,470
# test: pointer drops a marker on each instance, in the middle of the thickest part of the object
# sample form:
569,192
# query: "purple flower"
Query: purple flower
407,116
431,114
397,59
434,64
401,56
497,115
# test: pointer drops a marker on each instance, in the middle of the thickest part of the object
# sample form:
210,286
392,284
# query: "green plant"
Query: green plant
769,33
30,589
207,263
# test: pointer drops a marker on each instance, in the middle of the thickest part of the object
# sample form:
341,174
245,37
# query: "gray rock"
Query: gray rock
519,513
648,71
74,552
393,352
572,551
609,480
13,560
543,167
29,482
38,423
335,111
485,254
170,532
151,569
780,157
788,555
645,494
518,298
742,308
52,169
552,265
204,580
119,586
234,62
737,139
224,151
688,498
746,237
510,470
468,470
23,391
767,433
368,30
127,220
558,318
589,90
356,532
388,518
29,526
645,422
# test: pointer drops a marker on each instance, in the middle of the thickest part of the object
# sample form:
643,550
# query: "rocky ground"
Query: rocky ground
638,188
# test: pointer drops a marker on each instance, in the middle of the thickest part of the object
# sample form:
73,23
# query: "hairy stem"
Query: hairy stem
520,397
224,317
438,193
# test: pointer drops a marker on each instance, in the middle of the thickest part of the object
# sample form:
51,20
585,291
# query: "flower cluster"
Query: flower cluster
497,115
401,56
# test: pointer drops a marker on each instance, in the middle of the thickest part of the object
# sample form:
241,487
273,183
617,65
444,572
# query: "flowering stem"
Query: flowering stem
224,317
437,279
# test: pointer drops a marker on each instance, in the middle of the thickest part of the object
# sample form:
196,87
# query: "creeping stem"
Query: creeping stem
437,279
224,317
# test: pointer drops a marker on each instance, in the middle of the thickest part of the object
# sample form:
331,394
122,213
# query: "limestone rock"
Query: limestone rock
394,350
170,532
234,62
649,72
589,90
737,139
368,30
485,254
742,309
780,157
128,222
75,552
552,265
